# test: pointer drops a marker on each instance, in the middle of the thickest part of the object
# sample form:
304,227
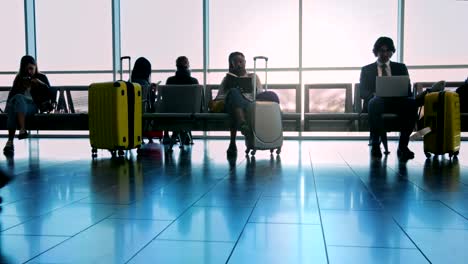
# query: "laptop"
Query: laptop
392,86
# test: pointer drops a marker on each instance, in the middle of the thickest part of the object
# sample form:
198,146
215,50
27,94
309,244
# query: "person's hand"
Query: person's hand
37,81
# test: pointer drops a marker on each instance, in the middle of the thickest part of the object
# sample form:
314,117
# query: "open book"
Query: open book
245,84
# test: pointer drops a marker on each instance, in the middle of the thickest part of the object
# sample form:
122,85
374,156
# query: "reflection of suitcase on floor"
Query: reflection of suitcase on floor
442,115
265,122
115,116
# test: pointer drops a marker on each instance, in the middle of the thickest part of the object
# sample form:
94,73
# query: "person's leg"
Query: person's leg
376,108
234,105
407,113
15,105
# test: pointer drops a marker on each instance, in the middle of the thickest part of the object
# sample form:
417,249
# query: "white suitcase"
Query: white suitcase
265,121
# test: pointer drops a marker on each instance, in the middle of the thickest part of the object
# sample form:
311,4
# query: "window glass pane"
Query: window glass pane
12,32
436,32
254,27
342,32
77,79
7,79
159,76
434,75
162,30
74,35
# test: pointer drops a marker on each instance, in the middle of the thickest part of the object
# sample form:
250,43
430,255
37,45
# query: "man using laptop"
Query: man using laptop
375,105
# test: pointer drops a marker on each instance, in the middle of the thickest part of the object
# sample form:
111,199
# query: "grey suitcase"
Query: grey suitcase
265,121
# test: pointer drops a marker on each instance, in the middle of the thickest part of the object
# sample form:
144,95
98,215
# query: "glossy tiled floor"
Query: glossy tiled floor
319,202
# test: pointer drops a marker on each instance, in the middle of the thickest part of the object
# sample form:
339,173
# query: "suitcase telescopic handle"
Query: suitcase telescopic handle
255,73
129,67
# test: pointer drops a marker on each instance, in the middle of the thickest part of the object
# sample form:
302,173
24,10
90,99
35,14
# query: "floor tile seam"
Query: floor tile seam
221,206
42,235
318,206
366,186
194,240
242,231
373,247
245,224
435,228
178,217
452,209
46,213
393,218
283,223
32,218
142,219
411,239
71,237
353,210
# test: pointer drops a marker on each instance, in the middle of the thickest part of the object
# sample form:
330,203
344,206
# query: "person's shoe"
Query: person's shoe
23,135
9,148
186,138
376,152
244,129
232,150
4,179
166,140
405,154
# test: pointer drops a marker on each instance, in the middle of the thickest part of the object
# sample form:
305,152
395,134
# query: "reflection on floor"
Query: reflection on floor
319,202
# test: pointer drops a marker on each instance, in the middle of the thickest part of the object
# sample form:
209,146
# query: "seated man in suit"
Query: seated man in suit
404,107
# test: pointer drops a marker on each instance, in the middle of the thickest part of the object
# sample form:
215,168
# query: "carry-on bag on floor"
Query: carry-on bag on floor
115,116
442,115
265,120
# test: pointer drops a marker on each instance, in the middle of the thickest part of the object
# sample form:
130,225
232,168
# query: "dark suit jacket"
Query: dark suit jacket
368,76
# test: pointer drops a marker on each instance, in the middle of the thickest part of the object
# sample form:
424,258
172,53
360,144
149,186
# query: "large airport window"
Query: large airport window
255,27
162,30
436,32
74,35
341,33
12,32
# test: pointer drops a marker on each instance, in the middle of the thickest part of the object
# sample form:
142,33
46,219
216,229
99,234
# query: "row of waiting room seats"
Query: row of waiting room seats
327,107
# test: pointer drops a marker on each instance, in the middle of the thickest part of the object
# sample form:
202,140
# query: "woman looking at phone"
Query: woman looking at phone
30,91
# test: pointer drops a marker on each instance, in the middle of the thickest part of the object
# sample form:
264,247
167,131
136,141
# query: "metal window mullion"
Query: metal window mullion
401,30
206,40
301,85
116,40
30,27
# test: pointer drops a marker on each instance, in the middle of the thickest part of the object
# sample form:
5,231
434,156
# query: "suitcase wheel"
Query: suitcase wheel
121,153
278,151
428,155
271,151
94,153
253,152
247,151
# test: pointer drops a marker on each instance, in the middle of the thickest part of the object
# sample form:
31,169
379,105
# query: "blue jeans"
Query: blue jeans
19,104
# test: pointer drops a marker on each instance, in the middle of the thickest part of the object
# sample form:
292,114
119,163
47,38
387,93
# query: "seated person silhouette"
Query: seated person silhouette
404,107
236,101
182,76
30,93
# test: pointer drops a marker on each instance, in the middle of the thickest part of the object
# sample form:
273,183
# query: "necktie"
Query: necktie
384,69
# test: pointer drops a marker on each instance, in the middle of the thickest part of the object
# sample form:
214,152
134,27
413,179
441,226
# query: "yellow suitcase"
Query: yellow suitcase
115,116
442,115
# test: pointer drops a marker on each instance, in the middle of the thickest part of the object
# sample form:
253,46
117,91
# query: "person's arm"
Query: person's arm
406,73
366,92
221,93
259,85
